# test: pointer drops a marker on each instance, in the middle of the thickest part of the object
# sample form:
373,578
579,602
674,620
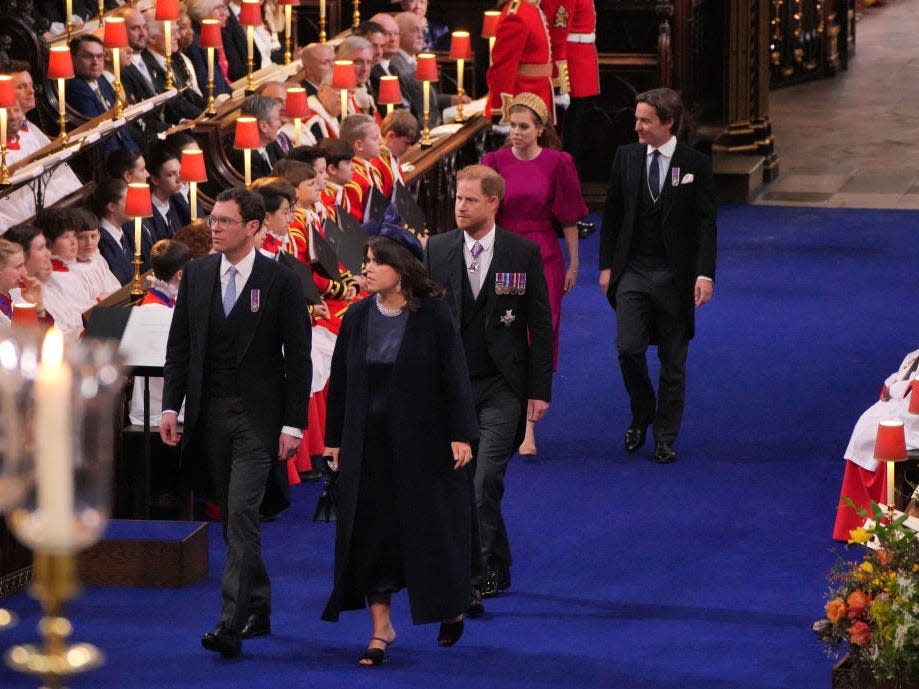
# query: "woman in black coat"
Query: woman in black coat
399,427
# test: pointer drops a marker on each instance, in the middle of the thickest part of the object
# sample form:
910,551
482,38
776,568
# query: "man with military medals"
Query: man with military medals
507,335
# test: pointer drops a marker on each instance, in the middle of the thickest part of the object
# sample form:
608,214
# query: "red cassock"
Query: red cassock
572,32
520,60
357,190
388,169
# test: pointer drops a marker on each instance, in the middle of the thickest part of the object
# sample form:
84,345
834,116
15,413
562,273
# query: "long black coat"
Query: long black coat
431,405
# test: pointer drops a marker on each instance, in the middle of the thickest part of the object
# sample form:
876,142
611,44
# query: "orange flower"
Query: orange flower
857,602
885,557
859,634
835,610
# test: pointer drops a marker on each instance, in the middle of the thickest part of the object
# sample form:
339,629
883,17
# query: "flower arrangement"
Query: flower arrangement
873,605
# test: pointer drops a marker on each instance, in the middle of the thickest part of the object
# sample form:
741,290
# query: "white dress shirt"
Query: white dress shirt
666,155
484,262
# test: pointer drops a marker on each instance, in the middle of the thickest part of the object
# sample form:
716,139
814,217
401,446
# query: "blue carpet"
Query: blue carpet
705,574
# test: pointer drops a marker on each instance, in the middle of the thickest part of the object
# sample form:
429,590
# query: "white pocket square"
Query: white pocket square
687,178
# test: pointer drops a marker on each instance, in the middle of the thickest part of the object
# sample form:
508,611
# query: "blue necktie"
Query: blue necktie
229,296
654,176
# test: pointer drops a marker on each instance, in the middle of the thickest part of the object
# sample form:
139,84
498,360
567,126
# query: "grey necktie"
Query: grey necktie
229,295
475,271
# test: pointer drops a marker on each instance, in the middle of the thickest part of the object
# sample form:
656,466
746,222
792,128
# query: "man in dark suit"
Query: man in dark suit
657,262
238,354
188,104
89,92
171,211
267,112
236,47
496,287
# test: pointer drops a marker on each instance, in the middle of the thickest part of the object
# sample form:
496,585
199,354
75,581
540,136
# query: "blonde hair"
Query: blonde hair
7,249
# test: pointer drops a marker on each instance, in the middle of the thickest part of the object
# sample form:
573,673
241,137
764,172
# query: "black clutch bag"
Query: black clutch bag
327,505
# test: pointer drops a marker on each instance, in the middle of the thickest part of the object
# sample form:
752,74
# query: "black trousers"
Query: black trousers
498,410
650,306
239,465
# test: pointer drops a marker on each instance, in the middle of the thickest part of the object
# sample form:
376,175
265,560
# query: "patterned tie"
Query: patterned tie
654,176
475,279
229,296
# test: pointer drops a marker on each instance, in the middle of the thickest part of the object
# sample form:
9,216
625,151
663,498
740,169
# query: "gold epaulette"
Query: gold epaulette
563,83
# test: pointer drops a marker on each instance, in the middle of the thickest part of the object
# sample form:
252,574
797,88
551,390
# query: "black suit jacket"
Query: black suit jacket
198,57
188,104
237,50
274,368
687,220
259,167
159,226
521,344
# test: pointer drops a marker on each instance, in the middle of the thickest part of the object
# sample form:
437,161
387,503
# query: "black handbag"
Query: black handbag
327,505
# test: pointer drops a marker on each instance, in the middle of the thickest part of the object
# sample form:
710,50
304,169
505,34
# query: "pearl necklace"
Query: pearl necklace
389,313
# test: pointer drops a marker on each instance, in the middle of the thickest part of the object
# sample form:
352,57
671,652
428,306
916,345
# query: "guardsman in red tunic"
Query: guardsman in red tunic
521,59
572,29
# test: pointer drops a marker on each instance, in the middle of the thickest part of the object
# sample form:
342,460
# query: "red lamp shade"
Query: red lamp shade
24,314
914,397
490,23
246,133
426,69
890,445
250,13
167,11
192,169
137,202
60,63
210,34
7,91
288,2
296,105
343,75
116,33
390,93
460,46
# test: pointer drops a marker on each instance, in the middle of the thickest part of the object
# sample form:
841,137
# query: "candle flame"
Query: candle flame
52,349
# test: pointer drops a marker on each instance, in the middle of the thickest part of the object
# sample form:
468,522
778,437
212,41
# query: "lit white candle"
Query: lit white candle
426,91
138,228
193,199
322,9
61,98
53,461
250,42
210,65
459,75
116,64
167,36
3,127
297,122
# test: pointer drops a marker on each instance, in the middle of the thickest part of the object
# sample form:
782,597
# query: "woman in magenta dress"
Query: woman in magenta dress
543,192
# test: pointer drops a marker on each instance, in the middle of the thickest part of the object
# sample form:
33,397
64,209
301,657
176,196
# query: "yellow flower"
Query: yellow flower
859,535
867,567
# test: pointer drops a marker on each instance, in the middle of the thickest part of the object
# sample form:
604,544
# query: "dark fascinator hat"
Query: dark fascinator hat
398,234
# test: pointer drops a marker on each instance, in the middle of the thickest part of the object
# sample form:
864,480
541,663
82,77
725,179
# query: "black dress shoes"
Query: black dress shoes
475,609
635,438
222,641
664,453
256,625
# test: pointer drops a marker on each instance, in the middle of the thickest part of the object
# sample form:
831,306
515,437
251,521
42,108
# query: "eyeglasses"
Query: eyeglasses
92,56
215,220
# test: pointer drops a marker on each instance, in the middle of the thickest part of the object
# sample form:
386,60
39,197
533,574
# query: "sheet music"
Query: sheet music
144,340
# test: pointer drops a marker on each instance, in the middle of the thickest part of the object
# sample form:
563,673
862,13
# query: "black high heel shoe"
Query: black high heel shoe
376,656
450,632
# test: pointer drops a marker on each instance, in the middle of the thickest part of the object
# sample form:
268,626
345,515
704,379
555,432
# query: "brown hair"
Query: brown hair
547,137
294,171
415,280
492,183
197,237
667,104
401,122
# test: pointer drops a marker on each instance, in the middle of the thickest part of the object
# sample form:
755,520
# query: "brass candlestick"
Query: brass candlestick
250,40
288,39
62,111
426,141
4,168
54,583
356,17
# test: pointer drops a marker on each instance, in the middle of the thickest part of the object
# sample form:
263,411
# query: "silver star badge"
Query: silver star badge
508,317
